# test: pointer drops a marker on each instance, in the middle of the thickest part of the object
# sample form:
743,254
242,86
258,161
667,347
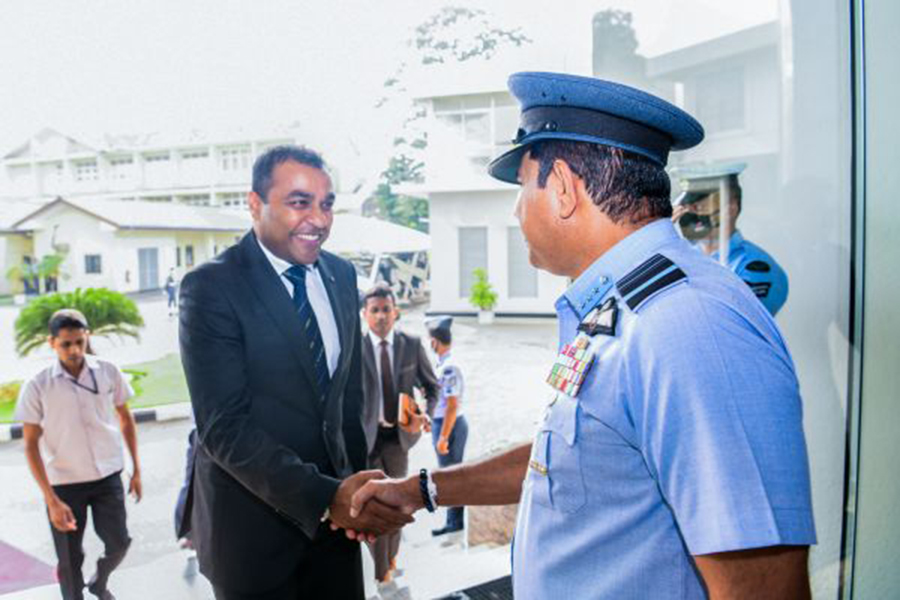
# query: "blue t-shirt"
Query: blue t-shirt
759,270
686,437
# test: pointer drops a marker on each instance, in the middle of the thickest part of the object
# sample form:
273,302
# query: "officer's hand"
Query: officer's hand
443,446
377,519
61,516
678,212
401,493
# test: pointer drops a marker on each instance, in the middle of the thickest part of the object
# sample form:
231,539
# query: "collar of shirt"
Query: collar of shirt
376,341
279,264
57,370
444,358
586,291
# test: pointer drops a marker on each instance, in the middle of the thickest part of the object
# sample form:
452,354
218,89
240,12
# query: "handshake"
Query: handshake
368,504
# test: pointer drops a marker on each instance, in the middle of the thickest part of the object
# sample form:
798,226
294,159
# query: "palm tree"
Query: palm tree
107,312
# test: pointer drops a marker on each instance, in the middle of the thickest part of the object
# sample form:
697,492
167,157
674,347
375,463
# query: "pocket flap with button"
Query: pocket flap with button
562,418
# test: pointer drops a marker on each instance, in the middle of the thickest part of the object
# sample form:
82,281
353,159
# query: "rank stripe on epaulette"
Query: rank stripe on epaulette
661,281
645,272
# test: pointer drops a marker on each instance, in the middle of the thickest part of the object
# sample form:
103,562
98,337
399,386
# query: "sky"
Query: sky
102,66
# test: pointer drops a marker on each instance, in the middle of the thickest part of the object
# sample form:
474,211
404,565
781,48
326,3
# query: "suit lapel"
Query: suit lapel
267,285
369,357
340,318
399,345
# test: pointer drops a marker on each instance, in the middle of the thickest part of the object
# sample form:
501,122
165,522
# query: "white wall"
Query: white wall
494,210
12,248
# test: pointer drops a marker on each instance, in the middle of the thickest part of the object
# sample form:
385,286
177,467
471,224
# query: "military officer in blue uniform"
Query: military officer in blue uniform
700,217
670,461
449,430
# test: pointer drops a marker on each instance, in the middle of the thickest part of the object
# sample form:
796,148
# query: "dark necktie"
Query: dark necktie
297,276
387,386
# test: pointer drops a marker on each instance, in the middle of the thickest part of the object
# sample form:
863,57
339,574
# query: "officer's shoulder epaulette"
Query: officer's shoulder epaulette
648,279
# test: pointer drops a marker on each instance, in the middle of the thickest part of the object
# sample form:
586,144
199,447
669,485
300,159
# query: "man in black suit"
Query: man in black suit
270,343
393,364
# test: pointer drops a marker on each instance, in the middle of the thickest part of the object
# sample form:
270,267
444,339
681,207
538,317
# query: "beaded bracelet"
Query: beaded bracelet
423,487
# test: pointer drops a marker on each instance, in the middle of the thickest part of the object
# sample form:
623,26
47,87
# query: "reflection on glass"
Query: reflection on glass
707,212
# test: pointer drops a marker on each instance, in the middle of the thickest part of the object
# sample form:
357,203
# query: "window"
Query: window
236,158
194,154
472,255
232,199
85,170
121,167
189,256
522,276
92,264
177,256
720,100
195,199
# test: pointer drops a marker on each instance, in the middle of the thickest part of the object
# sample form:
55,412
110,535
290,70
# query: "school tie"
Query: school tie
297,276
389,396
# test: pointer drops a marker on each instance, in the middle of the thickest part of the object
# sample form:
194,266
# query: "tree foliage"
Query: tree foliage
615,46
107,312
453,34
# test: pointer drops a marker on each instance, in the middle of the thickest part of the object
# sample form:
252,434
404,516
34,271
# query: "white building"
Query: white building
127,246
731,85
195,168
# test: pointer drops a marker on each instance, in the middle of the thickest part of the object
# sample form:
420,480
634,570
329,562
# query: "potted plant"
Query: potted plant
483,297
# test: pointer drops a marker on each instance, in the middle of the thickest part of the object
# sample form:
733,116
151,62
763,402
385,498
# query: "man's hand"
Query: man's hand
401,493
377,519
443,446
61,515
135,487
679,211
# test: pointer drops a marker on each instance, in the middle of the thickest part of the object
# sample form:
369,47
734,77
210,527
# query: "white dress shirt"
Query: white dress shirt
376,348
318,299
81,441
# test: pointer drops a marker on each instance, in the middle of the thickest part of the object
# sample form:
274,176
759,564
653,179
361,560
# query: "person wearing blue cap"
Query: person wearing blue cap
707,221
670,461
449,429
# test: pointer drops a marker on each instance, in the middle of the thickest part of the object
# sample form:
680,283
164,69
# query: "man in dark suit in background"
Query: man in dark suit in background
393,364
270,343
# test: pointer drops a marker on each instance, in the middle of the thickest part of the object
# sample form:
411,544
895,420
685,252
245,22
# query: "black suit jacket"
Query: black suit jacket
270,453
411,370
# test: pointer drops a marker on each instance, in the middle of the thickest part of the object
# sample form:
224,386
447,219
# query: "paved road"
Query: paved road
504,366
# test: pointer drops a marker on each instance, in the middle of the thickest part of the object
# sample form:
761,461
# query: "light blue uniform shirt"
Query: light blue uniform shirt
686,437
759,270
451,383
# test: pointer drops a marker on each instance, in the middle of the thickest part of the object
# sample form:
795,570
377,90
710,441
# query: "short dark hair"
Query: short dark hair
271,158
66,319
627,187
379,290
442,335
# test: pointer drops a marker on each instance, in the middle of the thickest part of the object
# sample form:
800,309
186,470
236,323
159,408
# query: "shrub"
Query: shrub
107,312
482,296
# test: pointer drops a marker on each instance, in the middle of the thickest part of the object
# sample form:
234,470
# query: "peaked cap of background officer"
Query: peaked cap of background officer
699,181
438,322
558,106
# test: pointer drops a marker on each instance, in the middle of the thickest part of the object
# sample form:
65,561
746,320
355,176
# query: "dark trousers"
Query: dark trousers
182,515
390,457
332,569
106,499
457,446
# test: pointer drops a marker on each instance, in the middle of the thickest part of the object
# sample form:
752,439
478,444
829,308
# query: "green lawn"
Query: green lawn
164,384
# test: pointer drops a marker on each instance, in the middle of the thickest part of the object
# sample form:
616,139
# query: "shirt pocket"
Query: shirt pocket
555,465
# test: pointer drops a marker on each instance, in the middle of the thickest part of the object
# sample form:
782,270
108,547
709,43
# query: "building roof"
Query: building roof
764,35
137,214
